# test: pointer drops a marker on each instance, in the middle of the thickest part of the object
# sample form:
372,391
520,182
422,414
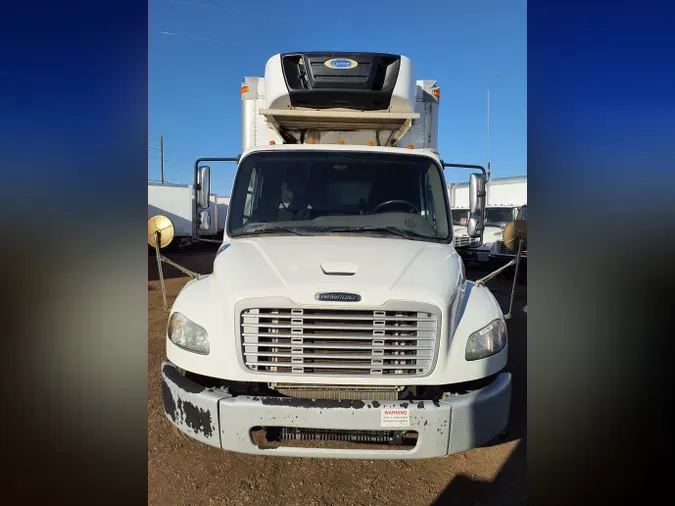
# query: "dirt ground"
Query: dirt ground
186,472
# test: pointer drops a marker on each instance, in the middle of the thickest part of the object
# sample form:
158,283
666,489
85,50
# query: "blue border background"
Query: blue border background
73,129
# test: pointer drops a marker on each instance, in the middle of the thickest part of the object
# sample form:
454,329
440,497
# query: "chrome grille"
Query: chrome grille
464,240
338,341
503,250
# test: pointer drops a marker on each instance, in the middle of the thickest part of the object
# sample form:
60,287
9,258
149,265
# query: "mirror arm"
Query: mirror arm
464,166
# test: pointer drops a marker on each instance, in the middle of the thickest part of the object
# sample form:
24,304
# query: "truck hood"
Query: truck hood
378,269
492,234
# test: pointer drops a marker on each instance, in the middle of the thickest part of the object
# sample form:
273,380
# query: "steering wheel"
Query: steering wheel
396,202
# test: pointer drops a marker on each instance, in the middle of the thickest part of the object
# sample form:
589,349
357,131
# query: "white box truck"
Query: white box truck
499,249
504,198
459,205
176,202
338,309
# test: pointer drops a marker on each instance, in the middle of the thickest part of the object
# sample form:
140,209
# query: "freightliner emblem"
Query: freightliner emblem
337,297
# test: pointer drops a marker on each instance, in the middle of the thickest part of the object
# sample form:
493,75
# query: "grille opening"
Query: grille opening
337,392
503,250
337,439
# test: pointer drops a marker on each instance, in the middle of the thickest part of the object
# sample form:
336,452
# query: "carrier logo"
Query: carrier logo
337,297
341,64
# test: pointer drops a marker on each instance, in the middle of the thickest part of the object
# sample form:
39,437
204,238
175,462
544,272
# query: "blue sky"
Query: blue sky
200,50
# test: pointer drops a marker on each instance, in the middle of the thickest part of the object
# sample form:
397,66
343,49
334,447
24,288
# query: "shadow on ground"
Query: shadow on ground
508,488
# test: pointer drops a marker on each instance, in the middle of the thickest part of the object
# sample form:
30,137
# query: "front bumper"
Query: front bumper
444,427
500,256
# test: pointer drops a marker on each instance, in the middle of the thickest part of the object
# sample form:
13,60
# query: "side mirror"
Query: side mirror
204,187
204,220
476,205
475,227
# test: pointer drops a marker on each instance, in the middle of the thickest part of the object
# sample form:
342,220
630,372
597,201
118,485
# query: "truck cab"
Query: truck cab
496,219
504,196
338,308
460,220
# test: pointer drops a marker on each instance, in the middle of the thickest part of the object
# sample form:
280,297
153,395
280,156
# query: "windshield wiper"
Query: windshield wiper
391,229
265,230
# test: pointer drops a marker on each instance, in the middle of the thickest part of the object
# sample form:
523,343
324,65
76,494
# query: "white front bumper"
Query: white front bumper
444,427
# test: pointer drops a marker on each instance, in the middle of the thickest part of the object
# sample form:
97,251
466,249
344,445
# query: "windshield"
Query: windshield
498,216
460,216
307,193
522,214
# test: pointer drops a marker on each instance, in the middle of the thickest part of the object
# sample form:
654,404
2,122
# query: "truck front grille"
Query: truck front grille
464,240
356,436
338,341
503,250
380,440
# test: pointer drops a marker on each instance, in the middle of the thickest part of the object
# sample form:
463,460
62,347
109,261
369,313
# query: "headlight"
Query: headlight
487,244
188,335
487,341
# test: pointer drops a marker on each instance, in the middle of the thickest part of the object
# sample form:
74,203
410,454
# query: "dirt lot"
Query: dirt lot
185,472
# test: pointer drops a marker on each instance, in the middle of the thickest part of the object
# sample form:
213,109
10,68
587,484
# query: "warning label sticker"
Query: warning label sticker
396,417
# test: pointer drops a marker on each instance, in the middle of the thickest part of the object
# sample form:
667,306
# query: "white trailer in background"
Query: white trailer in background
176,202
505,196
507,191
504,191
458,193
173,201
